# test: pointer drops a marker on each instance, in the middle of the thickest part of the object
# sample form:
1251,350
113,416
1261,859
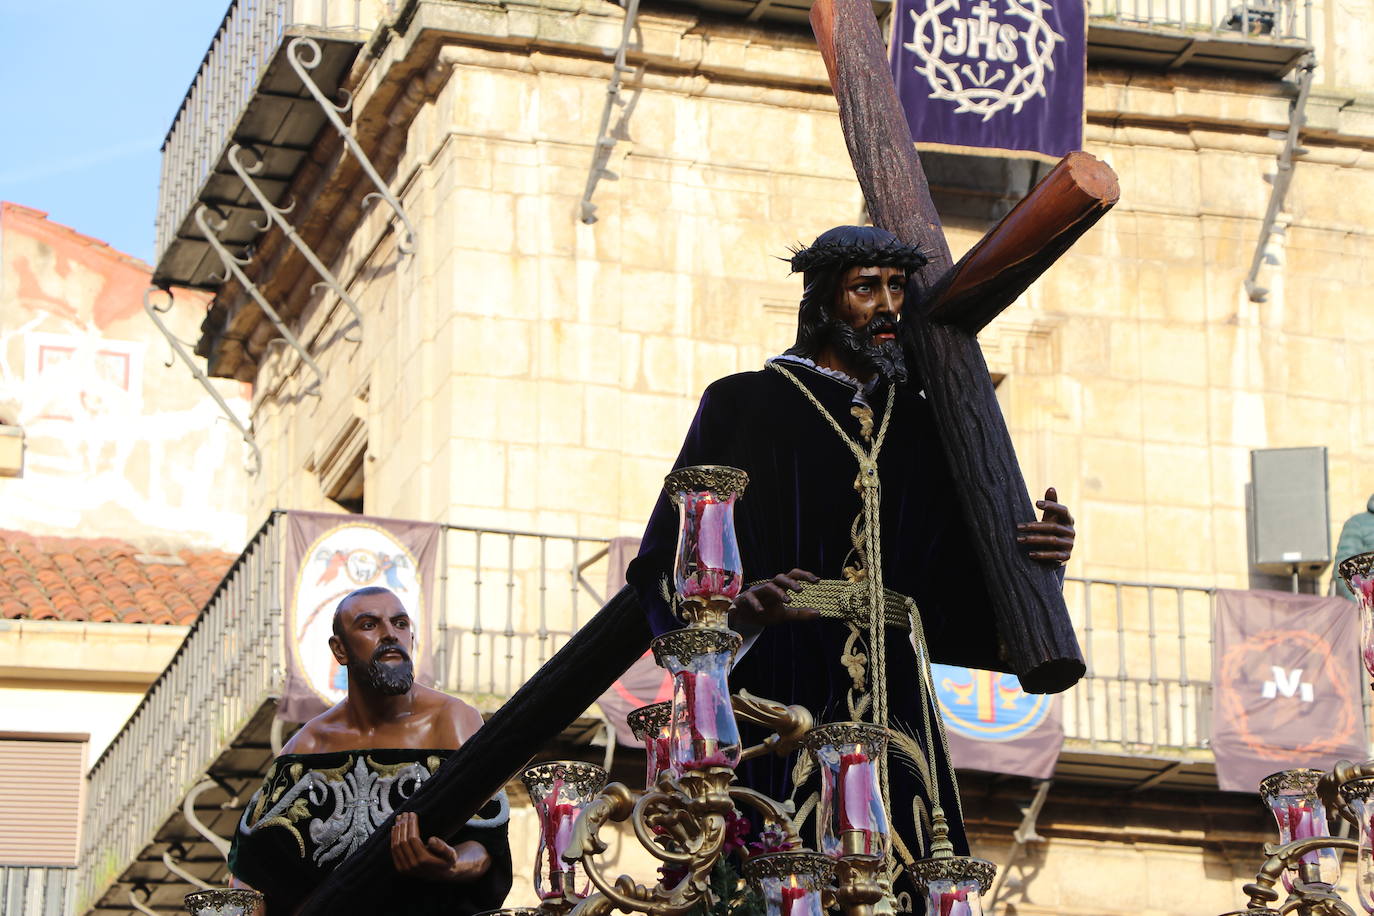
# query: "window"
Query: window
41,782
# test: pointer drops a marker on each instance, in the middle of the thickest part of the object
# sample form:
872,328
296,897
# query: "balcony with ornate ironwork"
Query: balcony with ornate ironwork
1263,37
253,91
247,92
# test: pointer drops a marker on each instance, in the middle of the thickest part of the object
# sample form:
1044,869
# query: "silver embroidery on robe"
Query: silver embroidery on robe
359,801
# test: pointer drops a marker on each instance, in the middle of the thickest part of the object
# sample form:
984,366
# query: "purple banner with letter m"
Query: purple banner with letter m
992,75
1287,690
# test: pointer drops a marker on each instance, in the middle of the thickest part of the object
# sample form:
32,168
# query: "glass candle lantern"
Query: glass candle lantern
1358,573
224,901
652,725
954,886
1291,795
708,569
703,730
790,883
948,897
853,820
559,790
1359,798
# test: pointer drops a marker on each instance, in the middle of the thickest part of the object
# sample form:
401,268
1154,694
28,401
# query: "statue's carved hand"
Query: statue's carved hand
434,860
1049,540
771,602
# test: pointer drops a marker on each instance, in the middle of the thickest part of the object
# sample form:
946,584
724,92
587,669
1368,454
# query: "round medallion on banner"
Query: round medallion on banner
984,58
346,557
986,705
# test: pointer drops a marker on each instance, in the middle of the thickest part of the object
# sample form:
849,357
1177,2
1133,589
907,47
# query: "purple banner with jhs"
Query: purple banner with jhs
999,74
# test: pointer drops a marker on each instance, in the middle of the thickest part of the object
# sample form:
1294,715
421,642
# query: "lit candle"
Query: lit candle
556,819
663,759
855,788
949,899
708,563
790,895
701,699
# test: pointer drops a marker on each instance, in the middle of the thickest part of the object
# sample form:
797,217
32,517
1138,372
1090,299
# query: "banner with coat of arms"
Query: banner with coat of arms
995,726
1004,75
328,556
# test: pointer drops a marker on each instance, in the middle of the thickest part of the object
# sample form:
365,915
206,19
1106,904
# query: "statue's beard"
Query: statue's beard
860,348
388,679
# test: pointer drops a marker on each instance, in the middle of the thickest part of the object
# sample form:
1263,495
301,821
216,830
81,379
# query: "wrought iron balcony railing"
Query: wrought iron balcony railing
230,663
1276,20
36,890
1258,36
244,93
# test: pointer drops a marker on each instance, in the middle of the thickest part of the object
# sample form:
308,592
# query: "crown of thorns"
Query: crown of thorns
833,255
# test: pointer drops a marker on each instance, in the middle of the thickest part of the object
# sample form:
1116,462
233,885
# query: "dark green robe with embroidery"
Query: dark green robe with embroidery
314,810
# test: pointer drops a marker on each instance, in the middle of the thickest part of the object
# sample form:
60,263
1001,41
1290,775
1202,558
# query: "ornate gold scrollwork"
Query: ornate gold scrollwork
683,821
1309,896
789,723
720,479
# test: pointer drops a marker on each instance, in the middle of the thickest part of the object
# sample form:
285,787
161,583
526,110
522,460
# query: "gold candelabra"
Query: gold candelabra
685,814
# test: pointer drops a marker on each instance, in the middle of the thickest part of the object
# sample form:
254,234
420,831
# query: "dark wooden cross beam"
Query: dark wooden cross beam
1029,608
1027,601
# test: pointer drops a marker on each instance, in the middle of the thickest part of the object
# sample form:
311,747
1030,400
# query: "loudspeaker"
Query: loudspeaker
1290,522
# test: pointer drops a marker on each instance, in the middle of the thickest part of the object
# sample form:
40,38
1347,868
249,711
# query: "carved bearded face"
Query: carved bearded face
862,325
374,641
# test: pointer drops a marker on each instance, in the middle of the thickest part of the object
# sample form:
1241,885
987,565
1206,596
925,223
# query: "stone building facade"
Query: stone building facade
524,369
518,354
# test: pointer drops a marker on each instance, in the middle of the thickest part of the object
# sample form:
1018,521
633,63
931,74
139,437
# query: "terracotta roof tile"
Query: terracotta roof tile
103,580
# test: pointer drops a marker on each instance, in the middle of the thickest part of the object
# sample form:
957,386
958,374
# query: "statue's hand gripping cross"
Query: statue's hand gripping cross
940,332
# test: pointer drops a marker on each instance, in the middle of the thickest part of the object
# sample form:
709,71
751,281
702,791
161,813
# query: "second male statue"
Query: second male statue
850,492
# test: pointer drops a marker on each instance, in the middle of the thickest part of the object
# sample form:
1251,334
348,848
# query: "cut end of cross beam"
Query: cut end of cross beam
1041,227
1094,178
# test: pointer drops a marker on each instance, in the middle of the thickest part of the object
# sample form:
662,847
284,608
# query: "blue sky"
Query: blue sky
90,89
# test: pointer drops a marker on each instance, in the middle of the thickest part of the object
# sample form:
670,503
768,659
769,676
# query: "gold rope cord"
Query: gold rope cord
867,537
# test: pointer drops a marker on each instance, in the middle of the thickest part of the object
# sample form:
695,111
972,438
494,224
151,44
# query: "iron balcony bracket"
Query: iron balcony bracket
278,215
606,135
1283,177
234,266
1023,835
188,810
183,874
140,907
155,313
296,54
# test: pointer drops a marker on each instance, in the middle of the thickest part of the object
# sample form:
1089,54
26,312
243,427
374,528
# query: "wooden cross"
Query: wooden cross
1027,601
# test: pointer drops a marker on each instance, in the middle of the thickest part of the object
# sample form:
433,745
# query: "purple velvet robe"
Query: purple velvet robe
796,513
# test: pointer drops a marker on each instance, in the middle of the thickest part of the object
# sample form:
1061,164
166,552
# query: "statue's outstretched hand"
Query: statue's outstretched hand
771,602
1049,540
434,859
